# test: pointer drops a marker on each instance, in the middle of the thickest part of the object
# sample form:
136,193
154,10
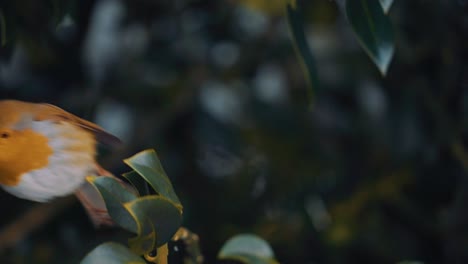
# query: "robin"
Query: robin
47,152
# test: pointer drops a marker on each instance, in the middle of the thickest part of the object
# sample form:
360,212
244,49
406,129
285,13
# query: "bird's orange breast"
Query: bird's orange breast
35,157
46,152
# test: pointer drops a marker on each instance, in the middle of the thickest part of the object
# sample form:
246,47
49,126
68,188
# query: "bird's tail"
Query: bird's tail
93,202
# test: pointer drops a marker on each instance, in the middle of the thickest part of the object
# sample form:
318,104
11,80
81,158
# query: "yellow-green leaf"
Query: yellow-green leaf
247,248
373,29
147,164
302,48
115,196
386,4
162,213
112,253
138,182
153,218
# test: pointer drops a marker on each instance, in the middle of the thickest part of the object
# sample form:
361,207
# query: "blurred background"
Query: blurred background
366,170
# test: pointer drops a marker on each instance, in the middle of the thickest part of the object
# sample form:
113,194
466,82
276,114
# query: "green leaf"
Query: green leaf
373,29
112,253
147,164
146,239
138,182
296,25
115,196
247,248
386,4
153,218
162,213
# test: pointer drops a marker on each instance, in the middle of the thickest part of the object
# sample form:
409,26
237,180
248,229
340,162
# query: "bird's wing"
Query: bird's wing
54,113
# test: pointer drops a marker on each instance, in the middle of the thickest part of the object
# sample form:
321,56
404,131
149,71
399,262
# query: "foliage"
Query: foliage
248,249
368,20
154,218
300,41
373,28
112,253
374,171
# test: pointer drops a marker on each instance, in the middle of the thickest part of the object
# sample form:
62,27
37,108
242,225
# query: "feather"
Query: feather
54,113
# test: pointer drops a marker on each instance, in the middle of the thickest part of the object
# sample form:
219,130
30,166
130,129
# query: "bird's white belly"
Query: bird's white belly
73,159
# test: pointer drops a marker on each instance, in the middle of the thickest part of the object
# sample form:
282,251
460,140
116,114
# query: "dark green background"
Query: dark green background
369,172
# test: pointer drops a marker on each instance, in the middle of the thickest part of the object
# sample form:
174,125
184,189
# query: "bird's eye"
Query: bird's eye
4,135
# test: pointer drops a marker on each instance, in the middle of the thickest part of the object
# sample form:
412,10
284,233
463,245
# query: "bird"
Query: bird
47,152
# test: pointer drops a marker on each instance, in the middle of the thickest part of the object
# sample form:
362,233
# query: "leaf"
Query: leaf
373,29
112,253
154,219
115,196
296,25
386,4
160,212
146,239
138,182
247,248
147,164
247,244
